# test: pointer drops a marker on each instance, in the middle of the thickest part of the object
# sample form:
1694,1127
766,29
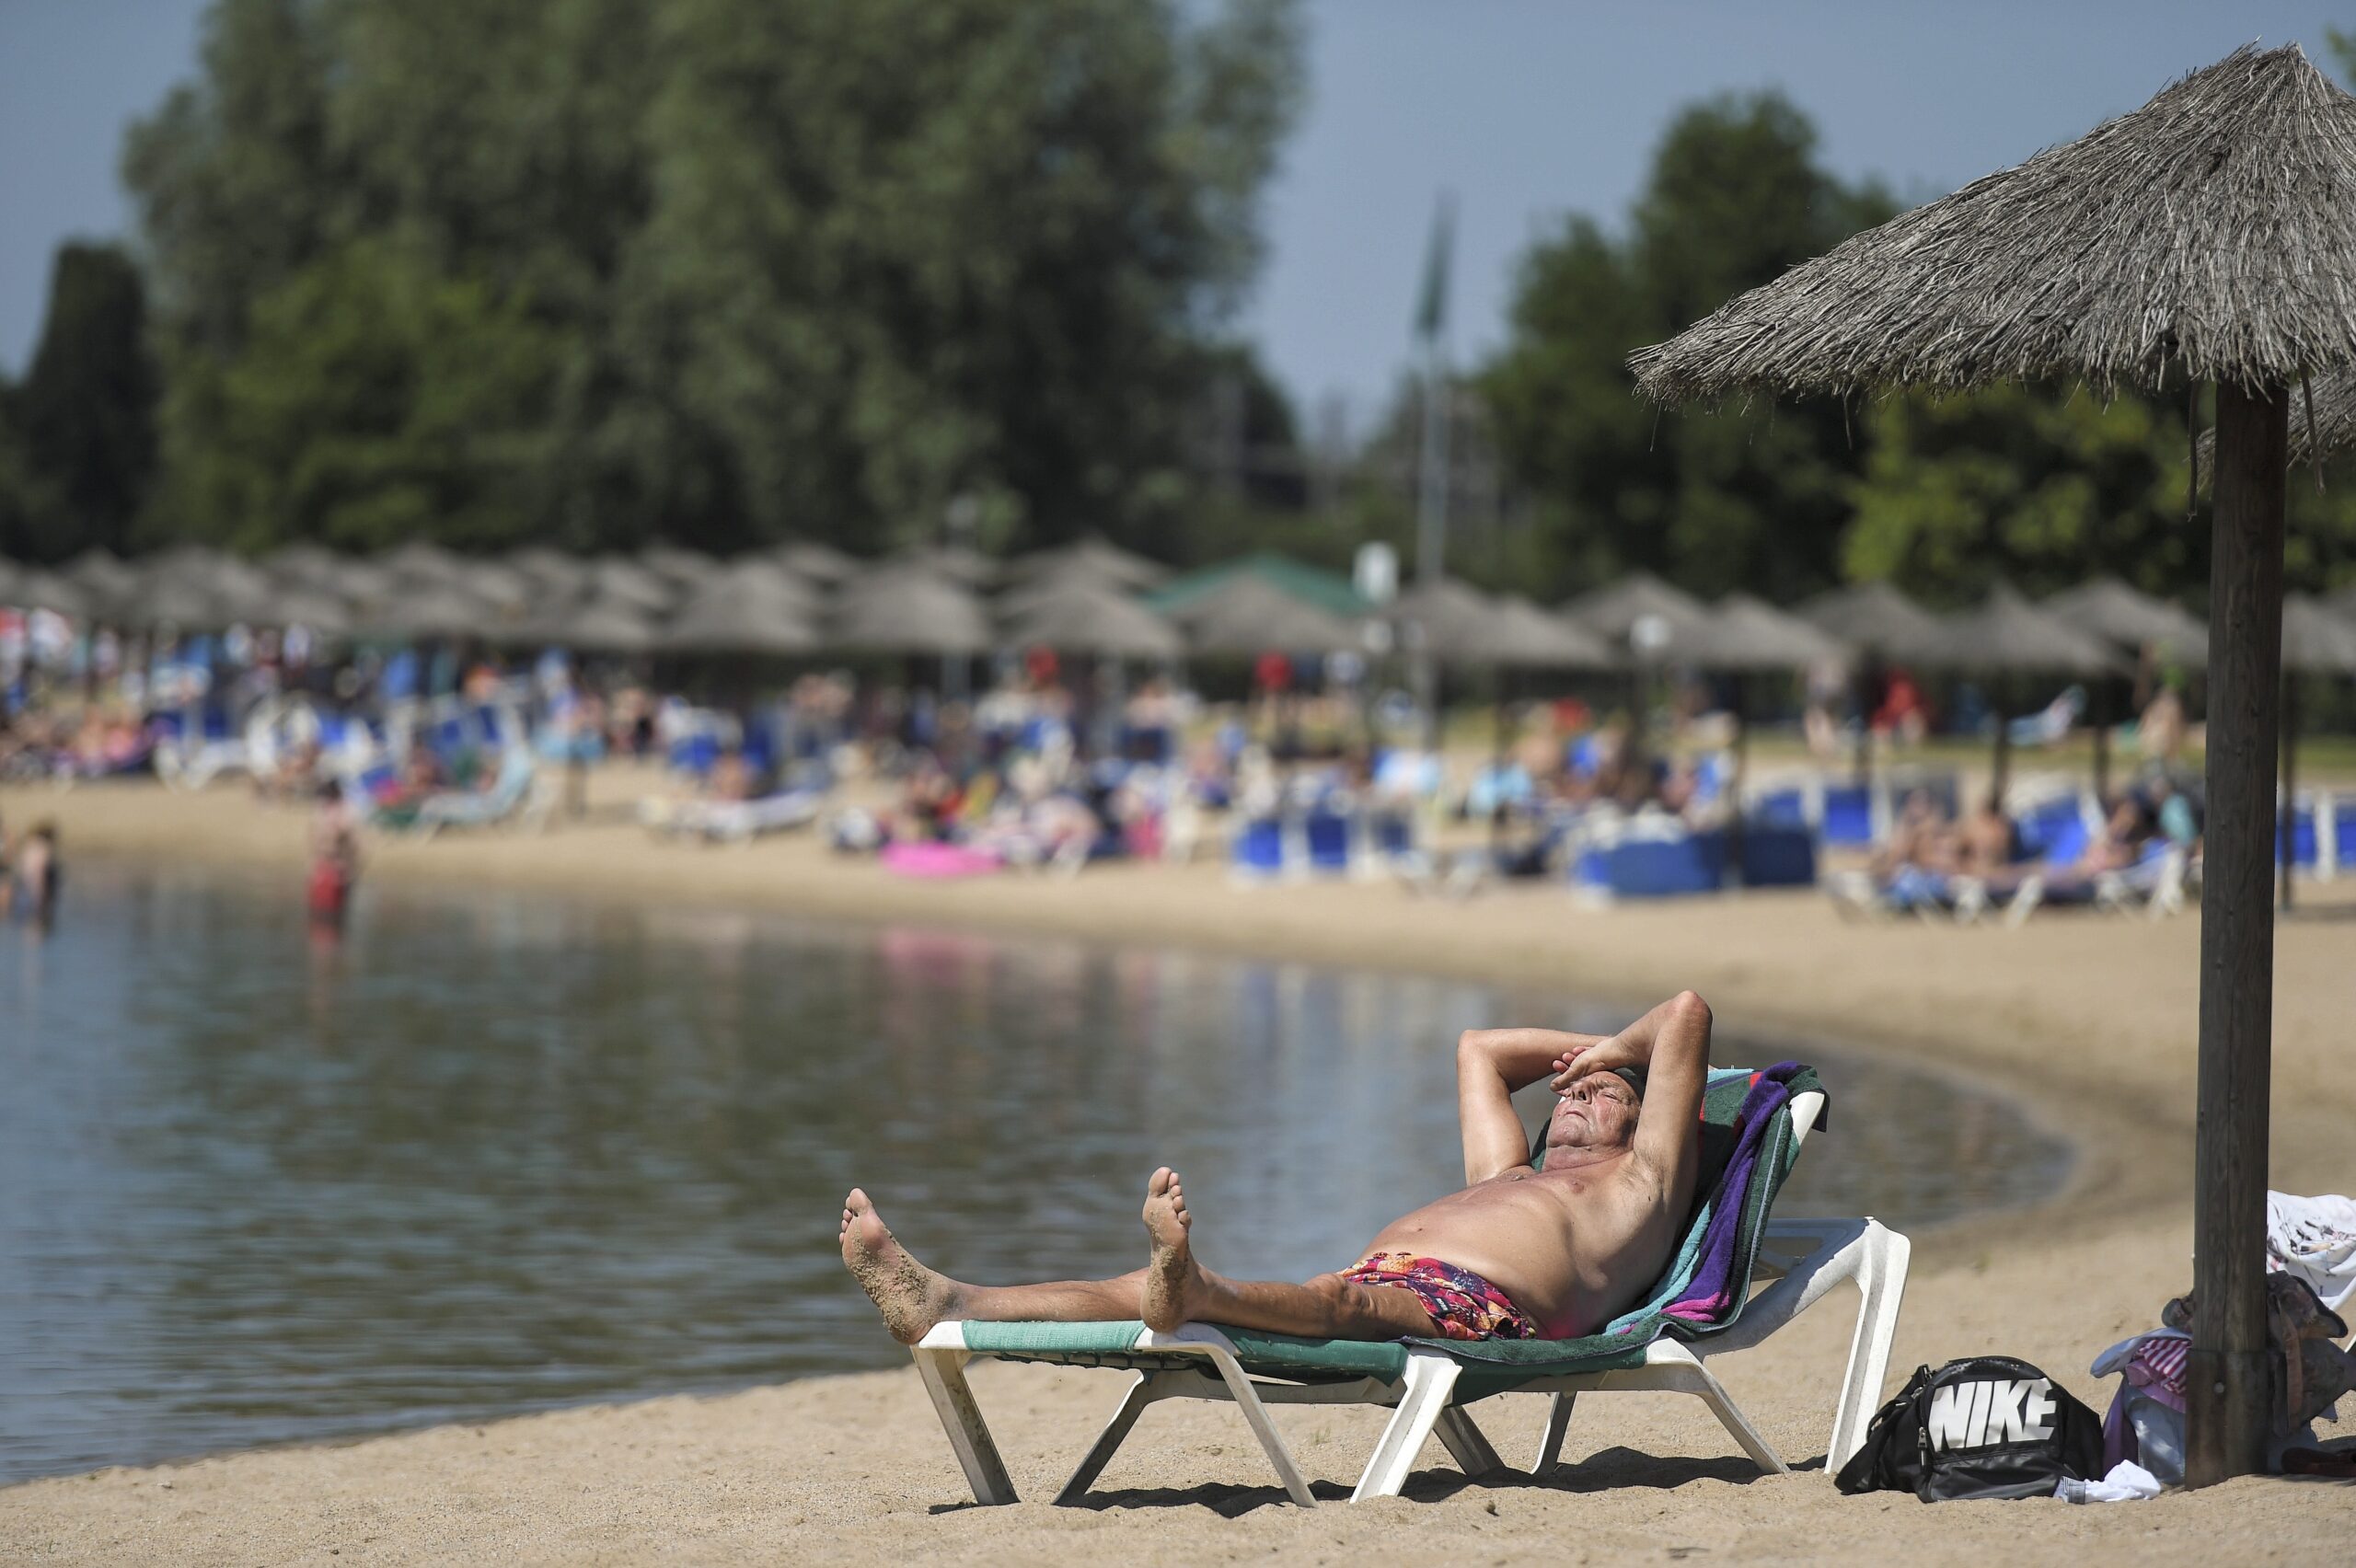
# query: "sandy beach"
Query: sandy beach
2089,1021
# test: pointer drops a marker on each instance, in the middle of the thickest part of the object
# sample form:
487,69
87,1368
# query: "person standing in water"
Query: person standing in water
335,858
37,875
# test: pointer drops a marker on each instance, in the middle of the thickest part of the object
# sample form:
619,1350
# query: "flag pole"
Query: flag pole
1431,521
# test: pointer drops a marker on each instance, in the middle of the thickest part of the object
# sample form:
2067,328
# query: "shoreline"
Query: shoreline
2085,1023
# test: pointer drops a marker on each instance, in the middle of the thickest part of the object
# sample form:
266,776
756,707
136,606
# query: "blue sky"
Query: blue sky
1527,109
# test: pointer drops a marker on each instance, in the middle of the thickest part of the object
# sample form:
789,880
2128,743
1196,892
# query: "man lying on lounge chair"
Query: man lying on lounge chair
1518,1253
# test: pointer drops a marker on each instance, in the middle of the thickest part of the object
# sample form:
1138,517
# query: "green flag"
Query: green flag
1431,312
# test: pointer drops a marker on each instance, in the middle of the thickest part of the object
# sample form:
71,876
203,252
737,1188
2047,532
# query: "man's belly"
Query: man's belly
1559,1259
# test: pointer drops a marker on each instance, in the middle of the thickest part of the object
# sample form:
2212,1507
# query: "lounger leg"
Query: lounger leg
1142,1392
1558,1422
1466,1442
1699,1380
1430,1380
1881,1281
943,1372
1247,1399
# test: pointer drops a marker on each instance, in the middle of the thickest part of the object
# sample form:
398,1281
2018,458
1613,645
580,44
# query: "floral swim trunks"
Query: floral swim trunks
1462,1305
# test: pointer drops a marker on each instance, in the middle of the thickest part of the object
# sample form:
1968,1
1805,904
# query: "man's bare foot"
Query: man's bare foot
1174,1286
911,1297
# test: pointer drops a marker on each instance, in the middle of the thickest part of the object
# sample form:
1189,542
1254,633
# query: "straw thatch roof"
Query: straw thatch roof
182,602
2006,632
1875,615
906,609
1747,633
588,625
414,607
1613,613
2316,640
317,610
760,608
2109,608
1449,617
618,580
956,562
1085,618
813,561
105,574
551,569
2213,227
1522,635
685,568
34,589
1245,612
1089,557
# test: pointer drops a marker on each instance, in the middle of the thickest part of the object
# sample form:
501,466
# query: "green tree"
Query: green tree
1716,500
375,400
2039,488
814,265
84,418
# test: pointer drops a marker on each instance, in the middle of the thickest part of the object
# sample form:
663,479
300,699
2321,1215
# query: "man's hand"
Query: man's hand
1612,1051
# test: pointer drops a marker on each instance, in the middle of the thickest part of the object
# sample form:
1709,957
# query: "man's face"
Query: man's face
1597,1111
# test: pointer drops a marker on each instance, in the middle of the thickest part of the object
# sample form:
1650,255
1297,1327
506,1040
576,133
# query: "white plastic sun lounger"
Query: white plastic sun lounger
1429,1389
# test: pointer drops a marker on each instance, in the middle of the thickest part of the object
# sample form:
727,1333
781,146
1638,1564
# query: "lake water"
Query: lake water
496,1152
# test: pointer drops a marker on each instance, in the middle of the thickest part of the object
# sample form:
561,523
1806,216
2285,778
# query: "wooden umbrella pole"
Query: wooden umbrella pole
2226,1374
1734,846
2287,814
2102,685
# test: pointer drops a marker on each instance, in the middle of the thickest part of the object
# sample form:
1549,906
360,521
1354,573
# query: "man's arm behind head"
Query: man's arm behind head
1674,1040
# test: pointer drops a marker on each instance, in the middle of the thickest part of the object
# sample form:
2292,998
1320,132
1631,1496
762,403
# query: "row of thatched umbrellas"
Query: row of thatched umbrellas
1093,598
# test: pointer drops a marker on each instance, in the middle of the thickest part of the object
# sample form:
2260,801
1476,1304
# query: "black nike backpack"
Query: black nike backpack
1985,1426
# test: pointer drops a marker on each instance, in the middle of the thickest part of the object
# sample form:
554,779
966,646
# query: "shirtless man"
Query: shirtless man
1517,1253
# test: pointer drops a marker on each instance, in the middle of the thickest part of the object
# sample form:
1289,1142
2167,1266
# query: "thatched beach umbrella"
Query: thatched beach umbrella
548,571
2005,636
585,626
414,608
1746,636
1523,636
185,604
1245,614
956,562
685,569
316,610
1874,616
1081,618
615,578
2205,236
755,608
104,575
2133,620
1637,609
814,562
1092,558
2316,641
33,589
906,609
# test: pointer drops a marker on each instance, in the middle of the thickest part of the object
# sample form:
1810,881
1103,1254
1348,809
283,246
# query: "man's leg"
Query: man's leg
1179,1290
913,1297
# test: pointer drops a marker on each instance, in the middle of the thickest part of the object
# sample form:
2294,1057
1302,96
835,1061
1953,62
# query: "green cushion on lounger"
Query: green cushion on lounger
1493,1367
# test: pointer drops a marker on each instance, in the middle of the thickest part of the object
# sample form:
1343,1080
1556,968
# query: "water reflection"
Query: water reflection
492,1152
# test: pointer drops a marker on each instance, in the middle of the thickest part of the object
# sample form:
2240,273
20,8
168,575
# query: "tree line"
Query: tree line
594,273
